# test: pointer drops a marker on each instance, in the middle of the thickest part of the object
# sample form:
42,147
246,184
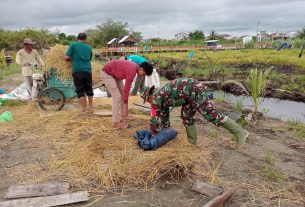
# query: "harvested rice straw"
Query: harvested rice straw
54,60
64,68
93,156
96,68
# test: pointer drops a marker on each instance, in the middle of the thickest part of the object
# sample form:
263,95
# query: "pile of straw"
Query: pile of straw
91,155
54,59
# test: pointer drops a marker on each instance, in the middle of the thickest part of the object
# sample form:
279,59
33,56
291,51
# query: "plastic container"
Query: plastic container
66,87
6,116
2,91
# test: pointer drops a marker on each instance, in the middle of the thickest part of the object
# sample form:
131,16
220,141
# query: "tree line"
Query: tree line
97,37
44,38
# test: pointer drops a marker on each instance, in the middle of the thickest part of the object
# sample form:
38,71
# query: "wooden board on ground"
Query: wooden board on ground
142,105
206,189
43,189
103,113
47,201
220,200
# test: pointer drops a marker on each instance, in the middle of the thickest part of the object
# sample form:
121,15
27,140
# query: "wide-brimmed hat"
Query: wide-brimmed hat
28,41
146,92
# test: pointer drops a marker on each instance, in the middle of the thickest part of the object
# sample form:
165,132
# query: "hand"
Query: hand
66,58
125,111
27,64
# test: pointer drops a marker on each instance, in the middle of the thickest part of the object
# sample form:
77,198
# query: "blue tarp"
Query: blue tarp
148,142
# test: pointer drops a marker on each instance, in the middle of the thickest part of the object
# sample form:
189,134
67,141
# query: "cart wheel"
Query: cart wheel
51,99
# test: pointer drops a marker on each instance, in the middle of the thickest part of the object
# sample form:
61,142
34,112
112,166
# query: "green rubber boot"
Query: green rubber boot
191,134
237,130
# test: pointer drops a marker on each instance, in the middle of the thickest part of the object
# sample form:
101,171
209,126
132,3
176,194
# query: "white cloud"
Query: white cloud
171,16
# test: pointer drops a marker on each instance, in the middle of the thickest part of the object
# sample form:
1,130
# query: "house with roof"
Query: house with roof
246,39
227,36
212,43
181,36
262,36
128,41
113,42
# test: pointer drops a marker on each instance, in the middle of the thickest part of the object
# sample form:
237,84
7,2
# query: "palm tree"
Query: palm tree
213,35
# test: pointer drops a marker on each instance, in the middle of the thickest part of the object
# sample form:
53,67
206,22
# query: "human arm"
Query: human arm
129,77
69,54
138,84
156,79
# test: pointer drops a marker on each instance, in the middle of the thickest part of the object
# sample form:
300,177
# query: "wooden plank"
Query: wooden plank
143,106
103,113
206,189
44,189
47,201
220,200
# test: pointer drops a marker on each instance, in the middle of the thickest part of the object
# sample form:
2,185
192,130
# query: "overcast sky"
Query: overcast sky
153,18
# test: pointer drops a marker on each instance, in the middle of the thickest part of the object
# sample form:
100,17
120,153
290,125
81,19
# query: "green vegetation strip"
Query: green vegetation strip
244,56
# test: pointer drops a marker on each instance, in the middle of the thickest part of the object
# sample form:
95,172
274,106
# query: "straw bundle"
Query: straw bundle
64,68
54,60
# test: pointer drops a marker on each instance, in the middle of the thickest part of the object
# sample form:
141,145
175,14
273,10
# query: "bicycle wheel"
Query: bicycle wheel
51,99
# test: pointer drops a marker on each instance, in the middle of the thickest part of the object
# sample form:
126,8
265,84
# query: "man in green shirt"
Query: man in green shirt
80,54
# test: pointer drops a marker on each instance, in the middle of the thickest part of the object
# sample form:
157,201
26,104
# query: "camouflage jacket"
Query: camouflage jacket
179,92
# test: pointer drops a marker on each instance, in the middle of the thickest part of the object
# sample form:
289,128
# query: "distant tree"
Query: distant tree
213,35
71,38
196,35
62,36
43,38
137,36
301,34
107,31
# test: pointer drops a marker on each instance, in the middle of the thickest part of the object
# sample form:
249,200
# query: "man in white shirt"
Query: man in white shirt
28,58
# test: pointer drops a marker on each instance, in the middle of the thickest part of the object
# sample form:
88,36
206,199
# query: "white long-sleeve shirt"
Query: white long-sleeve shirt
23,57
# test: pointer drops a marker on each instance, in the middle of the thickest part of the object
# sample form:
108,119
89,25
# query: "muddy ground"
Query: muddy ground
269,171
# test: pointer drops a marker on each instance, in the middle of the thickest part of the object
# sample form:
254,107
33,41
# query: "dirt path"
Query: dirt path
270,171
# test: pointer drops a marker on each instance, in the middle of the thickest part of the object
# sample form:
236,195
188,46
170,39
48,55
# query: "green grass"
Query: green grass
257,83
9,70
273,175
212,133
268,157
12,103
260,56
239,105
299,127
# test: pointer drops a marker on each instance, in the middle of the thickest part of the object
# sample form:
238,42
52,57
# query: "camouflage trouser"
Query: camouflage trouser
165,118
204,107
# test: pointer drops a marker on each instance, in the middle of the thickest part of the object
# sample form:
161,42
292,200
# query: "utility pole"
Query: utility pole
158,42
257,30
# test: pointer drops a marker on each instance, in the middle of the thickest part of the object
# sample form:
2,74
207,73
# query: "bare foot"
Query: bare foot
120,125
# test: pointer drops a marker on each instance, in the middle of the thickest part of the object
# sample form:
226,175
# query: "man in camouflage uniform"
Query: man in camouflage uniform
193,97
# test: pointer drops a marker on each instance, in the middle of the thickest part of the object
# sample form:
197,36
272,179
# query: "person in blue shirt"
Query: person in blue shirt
80,54
140,81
